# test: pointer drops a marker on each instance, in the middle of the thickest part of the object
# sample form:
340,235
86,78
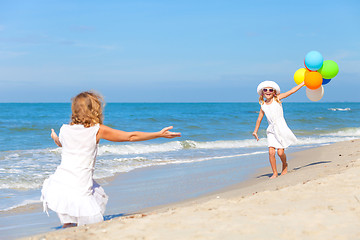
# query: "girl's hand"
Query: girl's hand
53,134
55,137
256,136
165,133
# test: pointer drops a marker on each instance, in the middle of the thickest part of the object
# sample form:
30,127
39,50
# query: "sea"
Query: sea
216,137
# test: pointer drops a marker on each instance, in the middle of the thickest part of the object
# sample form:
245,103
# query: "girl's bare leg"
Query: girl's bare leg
282,156
272,160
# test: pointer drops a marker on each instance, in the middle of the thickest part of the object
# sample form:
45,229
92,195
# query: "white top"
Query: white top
79,150
277,124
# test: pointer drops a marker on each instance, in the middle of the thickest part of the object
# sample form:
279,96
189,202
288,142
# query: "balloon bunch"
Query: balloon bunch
316,73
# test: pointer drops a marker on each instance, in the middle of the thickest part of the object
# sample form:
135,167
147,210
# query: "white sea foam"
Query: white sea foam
20,185
129,149
339,109
321,140
136,148
348,132
337,136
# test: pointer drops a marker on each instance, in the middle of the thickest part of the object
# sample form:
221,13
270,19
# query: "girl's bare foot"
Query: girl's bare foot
284,169
274,176
66,225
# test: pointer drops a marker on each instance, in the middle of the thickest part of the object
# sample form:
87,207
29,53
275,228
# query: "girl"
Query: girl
278,133
71,190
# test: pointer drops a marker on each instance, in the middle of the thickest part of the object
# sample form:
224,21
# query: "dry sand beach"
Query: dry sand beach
318,199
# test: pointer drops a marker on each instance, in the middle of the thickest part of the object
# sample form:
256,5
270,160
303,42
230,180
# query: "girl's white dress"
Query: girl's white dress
71,190
278,133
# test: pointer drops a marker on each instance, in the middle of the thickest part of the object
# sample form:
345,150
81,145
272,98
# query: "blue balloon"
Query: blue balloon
313,60
326,81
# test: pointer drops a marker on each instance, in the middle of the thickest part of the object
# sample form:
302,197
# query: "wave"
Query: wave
134,148
129,149
339,109
346,132
24,203
20,184
27,169
321,140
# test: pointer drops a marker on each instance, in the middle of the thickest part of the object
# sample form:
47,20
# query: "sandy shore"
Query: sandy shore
318,199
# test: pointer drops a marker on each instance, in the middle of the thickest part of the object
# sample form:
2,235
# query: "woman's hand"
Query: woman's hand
256,136
165,133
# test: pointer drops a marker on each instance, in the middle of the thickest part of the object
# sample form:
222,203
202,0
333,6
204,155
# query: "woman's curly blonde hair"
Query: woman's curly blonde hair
87,109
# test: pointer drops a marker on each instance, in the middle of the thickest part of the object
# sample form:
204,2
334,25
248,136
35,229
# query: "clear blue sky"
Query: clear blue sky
172,51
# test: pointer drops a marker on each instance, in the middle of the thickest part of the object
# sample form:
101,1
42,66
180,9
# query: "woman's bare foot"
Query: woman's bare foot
274,176
67,225
284,169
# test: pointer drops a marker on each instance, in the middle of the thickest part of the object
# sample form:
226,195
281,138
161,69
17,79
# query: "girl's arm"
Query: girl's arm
55,137
258,122
115,135
293,90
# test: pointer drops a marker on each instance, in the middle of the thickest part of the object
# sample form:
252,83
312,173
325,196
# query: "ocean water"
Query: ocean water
210,131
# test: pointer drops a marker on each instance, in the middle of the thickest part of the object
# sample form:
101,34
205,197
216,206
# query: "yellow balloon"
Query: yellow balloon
299,75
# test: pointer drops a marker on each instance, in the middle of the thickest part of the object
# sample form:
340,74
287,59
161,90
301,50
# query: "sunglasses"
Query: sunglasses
268,90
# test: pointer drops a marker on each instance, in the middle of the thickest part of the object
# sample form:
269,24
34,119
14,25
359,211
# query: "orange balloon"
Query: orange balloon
313,80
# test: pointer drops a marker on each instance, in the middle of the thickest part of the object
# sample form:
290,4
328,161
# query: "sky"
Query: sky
173,51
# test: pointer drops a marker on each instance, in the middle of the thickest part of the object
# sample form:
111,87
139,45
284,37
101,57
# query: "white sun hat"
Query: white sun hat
266,84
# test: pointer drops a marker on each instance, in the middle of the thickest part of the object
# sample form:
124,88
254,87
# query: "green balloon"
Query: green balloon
329,69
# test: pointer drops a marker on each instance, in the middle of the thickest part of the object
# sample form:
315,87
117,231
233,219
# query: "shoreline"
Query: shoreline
259,181
308,168
140,189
